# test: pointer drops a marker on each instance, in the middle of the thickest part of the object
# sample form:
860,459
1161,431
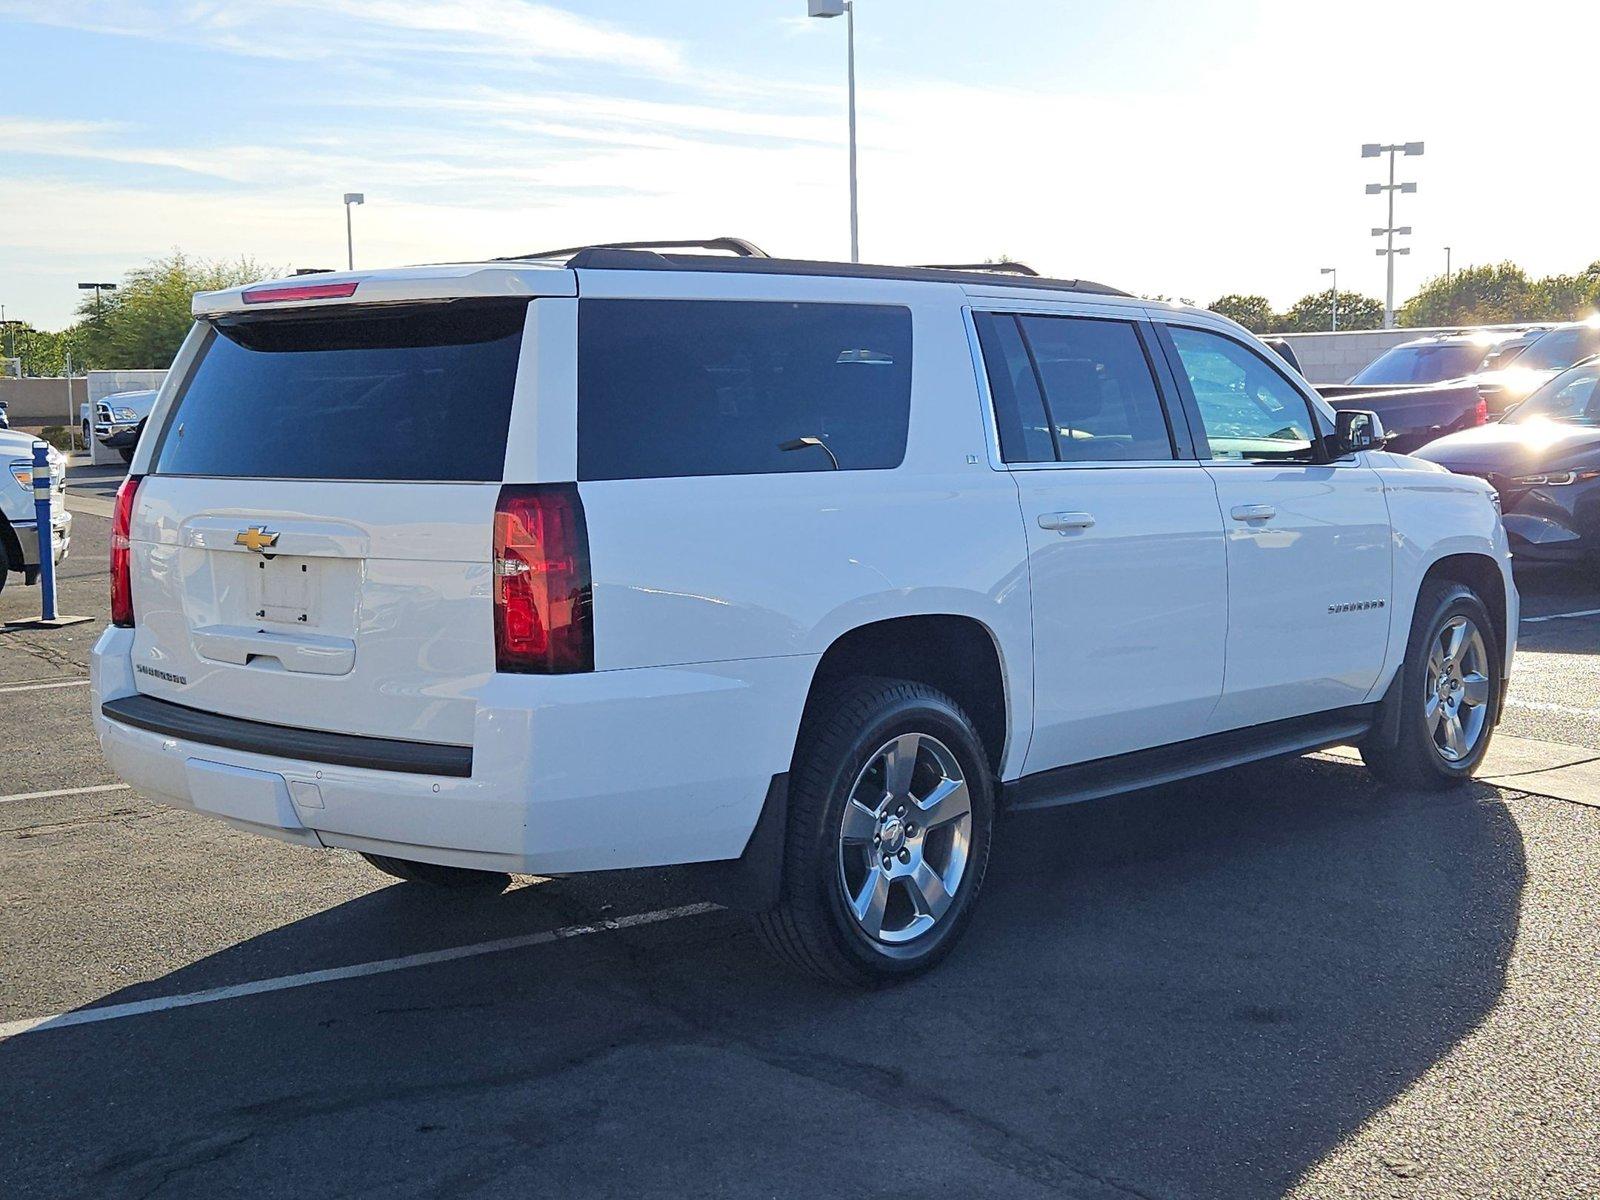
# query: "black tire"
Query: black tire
1417,760
846,731
127,453
458,879
85,431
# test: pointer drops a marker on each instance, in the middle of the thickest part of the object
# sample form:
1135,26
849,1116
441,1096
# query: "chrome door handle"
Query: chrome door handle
1065,522
1254,512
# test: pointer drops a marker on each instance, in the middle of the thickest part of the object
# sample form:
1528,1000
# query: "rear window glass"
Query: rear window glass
420,393
714,387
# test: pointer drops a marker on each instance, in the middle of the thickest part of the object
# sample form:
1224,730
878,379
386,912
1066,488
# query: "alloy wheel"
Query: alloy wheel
1455,704
904,839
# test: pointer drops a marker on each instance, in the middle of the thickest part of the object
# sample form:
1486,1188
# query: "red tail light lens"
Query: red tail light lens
543,615
1480,415
121,557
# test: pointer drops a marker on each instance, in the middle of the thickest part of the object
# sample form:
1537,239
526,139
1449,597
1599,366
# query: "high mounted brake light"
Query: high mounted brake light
300,291
121,553
543,616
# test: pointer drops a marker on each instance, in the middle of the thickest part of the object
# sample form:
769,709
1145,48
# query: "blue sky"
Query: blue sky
1175,148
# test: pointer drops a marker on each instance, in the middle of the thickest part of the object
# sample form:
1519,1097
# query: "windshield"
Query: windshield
1432,363
1572,397
1560,348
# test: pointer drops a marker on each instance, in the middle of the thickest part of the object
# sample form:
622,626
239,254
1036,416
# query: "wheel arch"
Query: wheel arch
956,653
1481,573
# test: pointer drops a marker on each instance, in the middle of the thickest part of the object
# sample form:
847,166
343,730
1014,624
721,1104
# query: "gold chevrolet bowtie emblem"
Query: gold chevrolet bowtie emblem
255,538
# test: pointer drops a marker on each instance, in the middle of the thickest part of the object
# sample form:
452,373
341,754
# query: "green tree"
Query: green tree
1253,312
1313,313
144,321
44,353
1487,295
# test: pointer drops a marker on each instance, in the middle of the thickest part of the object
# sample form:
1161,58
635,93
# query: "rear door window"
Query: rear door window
414,393
671,388
1073,389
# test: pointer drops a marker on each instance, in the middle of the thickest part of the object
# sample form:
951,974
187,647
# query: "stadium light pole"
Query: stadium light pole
350,198
1333,294
1376,150
847,10
97,288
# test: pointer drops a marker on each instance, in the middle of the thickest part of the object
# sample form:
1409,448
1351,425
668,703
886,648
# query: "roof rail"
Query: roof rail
735,245
1006,267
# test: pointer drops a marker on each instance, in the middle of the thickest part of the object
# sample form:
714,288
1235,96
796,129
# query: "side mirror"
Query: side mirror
1357,430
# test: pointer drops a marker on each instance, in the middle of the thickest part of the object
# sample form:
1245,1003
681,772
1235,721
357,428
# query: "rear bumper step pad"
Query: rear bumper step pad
284,741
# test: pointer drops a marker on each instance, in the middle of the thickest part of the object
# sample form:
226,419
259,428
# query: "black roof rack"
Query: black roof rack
624,257
1000,268
737,246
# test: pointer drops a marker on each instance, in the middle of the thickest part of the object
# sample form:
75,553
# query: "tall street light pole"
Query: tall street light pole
350,199
1333,294
1447,266
97,288
1375,150
847,9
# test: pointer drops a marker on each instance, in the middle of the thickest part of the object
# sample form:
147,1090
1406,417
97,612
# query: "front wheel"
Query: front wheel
1449,693
891,807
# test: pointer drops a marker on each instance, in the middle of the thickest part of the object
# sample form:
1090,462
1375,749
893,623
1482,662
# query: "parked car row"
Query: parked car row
1444,383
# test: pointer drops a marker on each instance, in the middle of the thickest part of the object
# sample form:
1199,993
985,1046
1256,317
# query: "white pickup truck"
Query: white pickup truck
19,529
117,420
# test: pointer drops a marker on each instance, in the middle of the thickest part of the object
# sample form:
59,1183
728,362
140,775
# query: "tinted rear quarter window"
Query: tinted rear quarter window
414,393
1019,414
1100,391
671,388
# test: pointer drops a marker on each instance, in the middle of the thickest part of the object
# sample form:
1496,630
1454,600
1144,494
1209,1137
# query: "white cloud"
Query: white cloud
504,31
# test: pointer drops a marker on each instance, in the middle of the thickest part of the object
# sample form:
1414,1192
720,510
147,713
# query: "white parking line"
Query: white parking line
43,687
113,1012
1587,612
83,791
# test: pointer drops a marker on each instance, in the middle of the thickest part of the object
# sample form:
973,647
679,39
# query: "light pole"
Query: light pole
97,288
1333,294
1447,266
847,9
1375,150
350,198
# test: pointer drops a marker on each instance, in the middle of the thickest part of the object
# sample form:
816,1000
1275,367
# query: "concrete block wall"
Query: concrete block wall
35,403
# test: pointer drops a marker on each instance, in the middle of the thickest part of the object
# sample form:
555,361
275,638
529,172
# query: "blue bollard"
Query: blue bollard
47,546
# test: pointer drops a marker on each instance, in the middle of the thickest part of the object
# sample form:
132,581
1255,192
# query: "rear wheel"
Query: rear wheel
452,878
891,806
85,429
1449,693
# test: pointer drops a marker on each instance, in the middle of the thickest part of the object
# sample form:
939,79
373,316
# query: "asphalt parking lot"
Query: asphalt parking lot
1280,980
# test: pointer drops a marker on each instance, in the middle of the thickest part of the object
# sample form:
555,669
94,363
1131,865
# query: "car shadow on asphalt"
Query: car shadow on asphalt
1193,991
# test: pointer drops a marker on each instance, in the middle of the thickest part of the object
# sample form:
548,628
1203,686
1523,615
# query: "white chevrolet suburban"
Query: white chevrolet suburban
802,571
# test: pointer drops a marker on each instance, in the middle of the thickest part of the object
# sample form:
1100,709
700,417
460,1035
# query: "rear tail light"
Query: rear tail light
543,615
121,564
300,291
